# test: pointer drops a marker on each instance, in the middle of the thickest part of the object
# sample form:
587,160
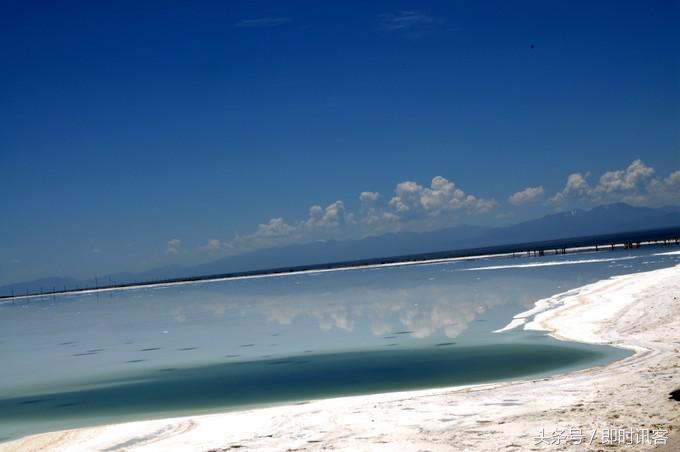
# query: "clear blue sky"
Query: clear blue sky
124,126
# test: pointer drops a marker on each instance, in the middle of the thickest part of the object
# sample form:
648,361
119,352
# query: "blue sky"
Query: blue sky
133,136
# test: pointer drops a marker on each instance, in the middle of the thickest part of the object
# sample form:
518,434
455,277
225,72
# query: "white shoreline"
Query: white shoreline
582,249
639,311
237,278
548,264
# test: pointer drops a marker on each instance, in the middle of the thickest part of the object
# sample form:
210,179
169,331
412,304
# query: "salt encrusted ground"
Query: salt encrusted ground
640,312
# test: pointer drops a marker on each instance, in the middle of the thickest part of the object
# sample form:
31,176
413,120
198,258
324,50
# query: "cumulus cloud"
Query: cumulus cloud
172,247
667,190
441,197
419,207
274,232
321,223
411,204
332,216
529,194
635,185
624,181
367,198
379,218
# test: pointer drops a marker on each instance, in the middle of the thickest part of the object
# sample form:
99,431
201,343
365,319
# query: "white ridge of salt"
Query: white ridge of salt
548,264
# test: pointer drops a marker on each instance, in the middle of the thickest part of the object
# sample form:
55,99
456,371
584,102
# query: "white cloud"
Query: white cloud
441,197
413,205
275,232
332,216
173,246
212,245
529,194
377,217
276,227
320,223
367,198
442,203
635,185
624,181
577,187
667,190
407,197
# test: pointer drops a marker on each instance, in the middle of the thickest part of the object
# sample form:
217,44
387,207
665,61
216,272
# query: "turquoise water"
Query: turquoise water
136,354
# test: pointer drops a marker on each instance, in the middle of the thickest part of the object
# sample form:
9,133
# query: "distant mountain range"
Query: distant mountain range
607,219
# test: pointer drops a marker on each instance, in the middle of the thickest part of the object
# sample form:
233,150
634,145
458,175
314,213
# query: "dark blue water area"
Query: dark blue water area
203,389
137,354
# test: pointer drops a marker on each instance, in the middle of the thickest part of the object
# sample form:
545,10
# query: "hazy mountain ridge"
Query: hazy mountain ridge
605,219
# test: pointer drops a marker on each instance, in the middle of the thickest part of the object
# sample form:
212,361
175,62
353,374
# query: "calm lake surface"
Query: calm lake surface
72,361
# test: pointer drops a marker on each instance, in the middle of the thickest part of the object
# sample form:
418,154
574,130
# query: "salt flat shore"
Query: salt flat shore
640,312
279,274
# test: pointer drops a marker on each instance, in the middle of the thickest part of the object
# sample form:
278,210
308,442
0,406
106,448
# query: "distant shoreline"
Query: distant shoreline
540,248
